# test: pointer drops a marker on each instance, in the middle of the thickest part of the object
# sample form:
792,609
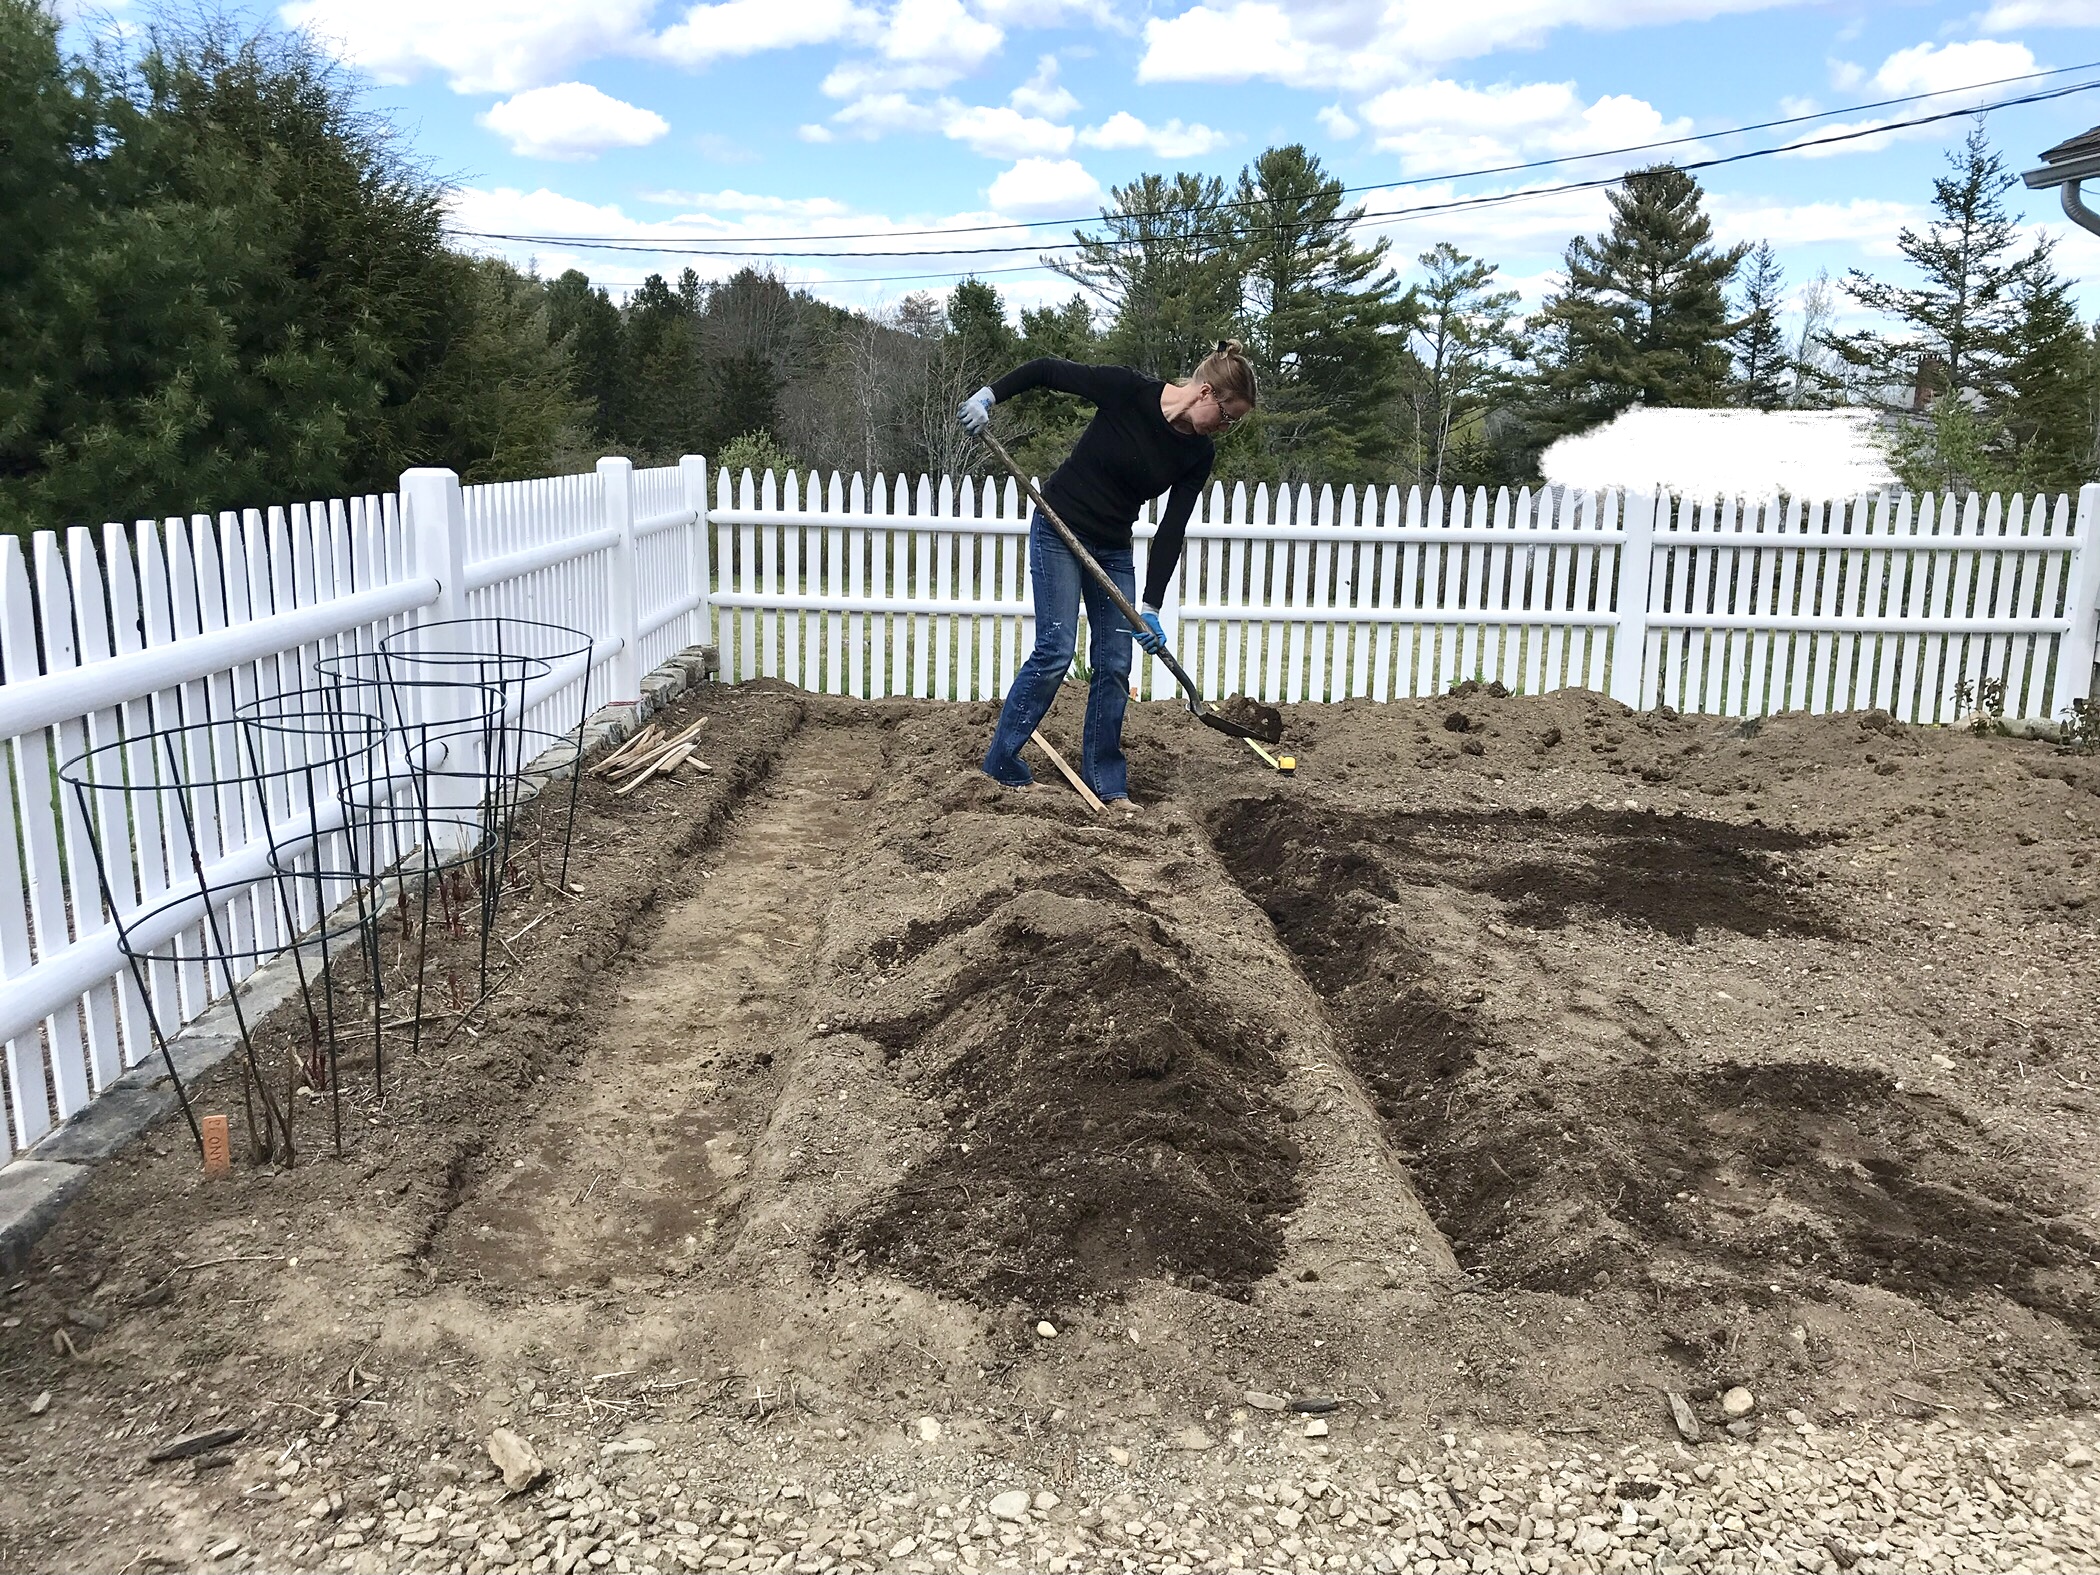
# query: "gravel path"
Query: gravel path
1931,1497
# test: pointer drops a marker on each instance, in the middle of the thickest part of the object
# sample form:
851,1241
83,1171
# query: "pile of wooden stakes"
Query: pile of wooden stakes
649,753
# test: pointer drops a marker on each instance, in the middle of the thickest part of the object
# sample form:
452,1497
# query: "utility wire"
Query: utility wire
672,244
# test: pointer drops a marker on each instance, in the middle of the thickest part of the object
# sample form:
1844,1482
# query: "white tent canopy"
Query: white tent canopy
1726,453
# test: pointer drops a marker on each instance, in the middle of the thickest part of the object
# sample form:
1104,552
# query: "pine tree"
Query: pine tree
1461,341
664,408
1166,267
1323,318
1959,327
1759,344
583,319
985,341
1643,318
2050,381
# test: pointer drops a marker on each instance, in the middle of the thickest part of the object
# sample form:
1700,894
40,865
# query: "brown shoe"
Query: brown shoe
1123,807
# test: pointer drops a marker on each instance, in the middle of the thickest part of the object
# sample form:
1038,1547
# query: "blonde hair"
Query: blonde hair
1229,373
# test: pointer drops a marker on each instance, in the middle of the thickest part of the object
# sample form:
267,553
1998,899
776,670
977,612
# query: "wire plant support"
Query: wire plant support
334,822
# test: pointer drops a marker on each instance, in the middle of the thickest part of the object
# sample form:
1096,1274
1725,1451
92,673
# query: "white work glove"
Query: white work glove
975,413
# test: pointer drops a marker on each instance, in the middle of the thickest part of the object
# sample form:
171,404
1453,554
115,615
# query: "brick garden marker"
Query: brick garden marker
218,1148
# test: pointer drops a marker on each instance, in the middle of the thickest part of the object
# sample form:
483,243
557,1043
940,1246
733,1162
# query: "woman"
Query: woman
1147,437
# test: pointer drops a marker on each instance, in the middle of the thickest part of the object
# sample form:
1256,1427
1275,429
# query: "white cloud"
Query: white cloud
809,131
1927,68
1001,133
750,27
939,32
1845,75
571,120
1444,124
1366,44
1337,122
877,114
711,203
1868,224
1042,94
481,46
2008,15
1035,187
1170,141
921,45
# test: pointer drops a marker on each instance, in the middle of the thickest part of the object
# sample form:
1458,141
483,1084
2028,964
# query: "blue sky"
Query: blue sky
650,121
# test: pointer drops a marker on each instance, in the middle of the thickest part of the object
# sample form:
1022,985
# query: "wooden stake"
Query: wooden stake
1071,776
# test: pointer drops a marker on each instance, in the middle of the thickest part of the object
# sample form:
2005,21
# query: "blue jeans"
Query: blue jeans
1060,583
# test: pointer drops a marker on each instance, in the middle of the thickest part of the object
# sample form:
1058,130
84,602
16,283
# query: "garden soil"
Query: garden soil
1516,1063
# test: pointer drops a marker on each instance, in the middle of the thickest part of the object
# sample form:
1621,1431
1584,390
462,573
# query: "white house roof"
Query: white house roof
1726,453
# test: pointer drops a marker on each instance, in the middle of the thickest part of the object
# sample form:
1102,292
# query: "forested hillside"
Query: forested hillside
223,281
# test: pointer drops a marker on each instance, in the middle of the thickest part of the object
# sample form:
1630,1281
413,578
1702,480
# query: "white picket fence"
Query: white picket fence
894,587
104,636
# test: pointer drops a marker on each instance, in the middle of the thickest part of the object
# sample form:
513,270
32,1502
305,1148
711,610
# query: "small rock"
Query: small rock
1047,1329
1010,1505
1746,1428
2078,1456
904,1549
1316,1428
1944,1062
1738,1402
1118,1454
628,1446
1047,1500
929,1433
1262,1400
223,1550
1289,1519
1193,1438
1687,1424
40,1404
519,1462
1796,1418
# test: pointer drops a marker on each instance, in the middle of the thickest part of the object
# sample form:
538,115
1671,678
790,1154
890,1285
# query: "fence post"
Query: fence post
2074,654
1629,645
625,669
700,623
434,521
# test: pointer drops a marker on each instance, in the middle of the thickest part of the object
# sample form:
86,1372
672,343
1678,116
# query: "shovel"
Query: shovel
1261,722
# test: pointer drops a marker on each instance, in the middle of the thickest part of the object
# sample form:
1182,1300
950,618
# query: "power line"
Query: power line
613,243
1455,205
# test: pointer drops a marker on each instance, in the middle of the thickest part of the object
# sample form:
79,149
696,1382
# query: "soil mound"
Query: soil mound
1574,1171
1106,1120
1671,873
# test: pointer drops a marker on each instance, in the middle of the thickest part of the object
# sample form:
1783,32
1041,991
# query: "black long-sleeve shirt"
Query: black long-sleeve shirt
1129,452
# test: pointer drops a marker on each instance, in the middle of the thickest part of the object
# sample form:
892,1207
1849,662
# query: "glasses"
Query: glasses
1226,421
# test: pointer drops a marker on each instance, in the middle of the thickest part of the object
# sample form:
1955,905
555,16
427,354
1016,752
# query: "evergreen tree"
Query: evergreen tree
2050,381
1166,267
1324,317
583,319
984,340
1959,327
1046,425
664,405
1759,343
1643,318
499,403
1461,343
